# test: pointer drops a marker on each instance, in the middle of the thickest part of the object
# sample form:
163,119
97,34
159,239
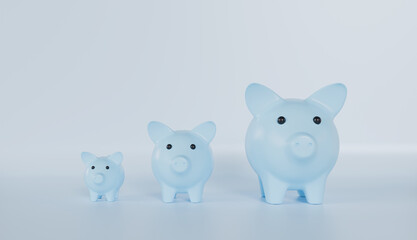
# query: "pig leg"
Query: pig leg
274,189
94,196
168,194
111,196
301,193
262,188
116,195
314,191
196,193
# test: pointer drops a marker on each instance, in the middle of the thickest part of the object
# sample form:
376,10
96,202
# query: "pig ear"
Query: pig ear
258,98
157,131
332,97
88,157
206,130
116,157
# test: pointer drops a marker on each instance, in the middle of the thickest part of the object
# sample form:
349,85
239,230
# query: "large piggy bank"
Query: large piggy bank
293,144
104,175
182,161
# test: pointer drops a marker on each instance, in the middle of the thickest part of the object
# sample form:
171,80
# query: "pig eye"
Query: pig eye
107,167
192,146
281,120
169,146
92,167
317,120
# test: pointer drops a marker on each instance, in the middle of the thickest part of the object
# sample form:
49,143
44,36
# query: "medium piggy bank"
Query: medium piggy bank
293,144
104,175
182,161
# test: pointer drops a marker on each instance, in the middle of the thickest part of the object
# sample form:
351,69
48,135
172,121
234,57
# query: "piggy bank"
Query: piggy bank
182,161
104,175
293,144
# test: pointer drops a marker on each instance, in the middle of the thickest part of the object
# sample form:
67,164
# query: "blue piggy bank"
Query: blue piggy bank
293,144
182,161
104,175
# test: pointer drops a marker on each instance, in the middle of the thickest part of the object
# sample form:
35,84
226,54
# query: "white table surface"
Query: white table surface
368,196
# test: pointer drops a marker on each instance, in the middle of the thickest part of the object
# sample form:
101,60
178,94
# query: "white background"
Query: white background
89,75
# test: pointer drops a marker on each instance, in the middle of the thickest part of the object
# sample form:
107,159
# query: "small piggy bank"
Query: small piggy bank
104,175
293,144
182,161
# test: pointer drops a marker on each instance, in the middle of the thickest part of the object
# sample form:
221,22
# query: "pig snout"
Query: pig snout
98,178
302,146
179,164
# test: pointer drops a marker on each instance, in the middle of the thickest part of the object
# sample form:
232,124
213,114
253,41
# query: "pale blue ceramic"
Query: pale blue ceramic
293,144
182,161
104,175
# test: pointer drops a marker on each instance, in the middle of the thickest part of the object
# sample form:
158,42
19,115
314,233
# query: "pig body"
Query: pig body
103,176
293,144
182,161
